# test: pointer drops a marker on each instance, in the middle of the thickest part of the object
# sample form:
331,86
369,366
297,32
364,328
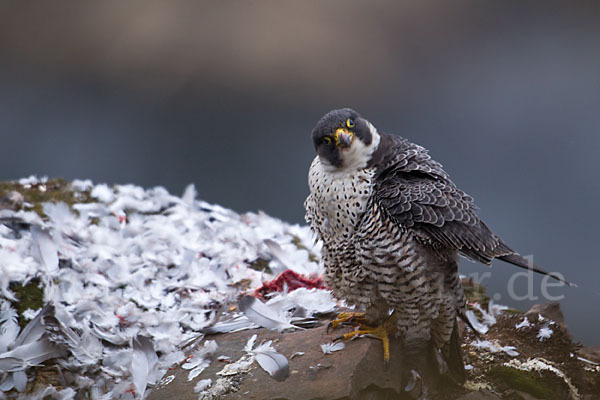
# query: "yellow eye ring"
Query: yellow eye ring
327,140
350,123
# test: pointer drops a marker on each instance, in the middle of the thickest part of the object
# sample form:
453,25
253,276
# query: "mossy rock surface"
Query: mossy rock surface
30,296
544,385
54,190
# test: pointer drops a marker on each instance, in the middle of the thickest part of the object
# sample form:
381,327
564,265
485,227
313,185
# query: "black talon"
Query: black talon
328,327
338,338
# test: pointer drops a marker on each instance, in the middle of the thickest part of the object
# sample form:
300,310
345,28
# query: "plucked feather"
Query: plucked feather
262,315
274,363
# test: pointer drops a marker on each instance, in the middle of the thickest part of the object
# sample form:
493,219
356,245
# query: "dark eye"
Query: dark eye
350,123
327,140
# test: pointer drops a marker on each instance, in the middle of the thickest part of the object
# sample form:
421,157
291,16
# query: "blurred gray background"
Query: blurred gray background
225,94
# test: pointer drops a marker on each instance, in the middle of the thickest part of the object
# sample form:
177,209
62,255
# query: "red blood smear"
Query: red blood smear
292,280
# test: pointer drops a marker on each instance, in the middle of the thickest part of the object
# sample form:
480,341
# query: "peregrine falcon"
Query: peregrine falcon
392,225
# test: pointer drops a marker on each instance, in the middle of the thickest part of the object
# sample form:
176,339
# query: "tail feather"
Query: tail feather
521,262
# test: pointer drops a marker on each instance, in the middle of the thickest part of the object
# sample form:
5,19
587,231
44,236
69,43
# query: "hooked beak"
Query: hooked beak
343,137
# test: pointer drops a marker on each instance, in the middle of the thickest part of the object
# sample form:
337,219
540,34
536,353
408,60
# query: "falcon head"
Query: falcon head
344,140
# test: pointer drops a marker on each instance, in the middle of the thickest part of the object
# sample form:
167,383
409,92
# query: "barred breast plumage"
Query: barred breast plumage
374,263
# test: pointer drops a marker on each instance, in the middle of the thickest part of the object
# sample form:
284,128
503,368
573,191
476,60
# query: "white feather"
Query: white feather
263,315
142,362
44,249
274,363
250,343
7,383
202,384
329,348
11,364
236,324
279,255
34,353
495,347
479,327
200,359
313,301
523,324
103,193
20,380
9,330
189,195
544,333
198,370
34,329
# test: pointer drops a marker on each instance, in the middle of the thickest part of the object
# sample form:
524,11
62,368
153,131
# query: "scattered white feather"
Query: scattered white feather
479,327
19,380
30,314
199,360
541,318
523,324
32,180
82,185
202,385
250,343
495,347
235,324
44,249
488,316
274,363
142,363
103,193
280,312
189,195
313,301
496,309
9,328
194,373
50,392
264,315
155,272
329,348
544,333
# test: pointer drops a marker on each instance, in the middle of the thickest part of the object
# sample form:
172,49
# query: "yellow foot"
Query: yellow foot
347,318
381,332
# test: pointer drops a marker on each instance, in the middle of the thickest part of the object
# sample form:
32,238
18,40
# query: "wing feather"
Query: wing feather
417,193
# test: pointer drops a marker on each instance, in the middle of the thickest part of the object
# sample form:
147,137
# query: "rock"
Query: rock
356,372
483,394
547,310
525,396
591,353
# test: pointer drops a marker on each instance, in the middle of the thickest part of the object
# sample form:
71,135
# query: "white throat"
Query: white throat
357,156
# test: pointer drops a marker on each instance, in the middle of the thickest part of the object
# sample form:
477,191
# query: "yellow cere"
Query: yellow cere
340,131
